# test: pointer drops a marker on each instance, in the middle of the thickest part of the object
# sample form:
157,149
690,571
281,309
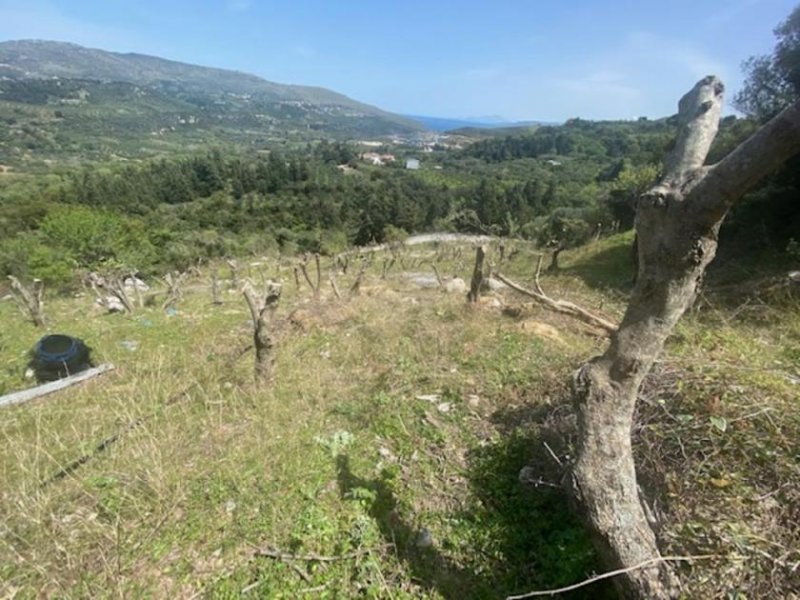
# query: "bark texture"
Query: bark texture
262,309
477,275
30,298
676,223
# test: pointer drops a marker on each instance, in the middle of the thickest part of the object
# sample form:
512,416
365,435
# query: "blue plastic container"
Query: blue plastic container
58,355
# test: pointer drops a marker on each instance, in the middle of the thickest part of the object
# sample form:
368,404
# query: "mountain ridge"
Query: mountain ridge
36,73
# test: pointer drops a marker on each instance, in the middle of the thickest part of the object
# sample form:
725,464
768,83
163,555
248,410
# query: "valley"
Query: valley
351,353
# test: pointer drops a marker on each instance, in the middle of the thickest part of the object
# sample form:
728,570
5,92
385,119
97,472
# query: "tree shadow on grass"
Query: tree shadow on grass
511,538
611,268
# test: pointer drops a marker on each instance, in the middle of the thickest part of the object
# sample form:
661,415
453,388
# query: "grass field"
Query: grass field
390,442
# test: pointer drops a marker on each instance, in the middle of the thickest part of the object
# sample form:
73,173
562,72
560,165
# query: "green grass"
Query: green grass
397,412
338,454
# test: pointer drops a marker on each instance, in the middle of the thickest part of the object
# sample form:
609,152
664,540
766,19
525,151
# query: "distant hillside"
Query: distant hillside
61,99
489,132
447,124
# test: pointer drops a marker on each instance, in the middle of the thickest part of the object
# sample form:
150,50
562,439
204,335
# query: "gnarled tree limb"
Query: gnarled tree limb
677,221
30,298
560,306
755,158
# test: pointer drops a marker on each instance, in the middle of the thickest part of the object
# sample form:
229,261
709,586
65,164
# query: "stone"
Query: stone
456,285
490,284
132,283
112,304
424,538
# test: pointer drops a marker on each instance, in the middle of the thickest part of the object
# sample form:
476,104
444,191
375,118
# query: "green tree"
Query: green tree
773,81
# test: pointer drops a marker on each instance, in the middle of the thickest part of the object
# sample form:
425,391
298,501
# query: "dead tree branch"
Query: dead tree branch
609,574
110,286
438,276
335,287
560,306
174,292
31,299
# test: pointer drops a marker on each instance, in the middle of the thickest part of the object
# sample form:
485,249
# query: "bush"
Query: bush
94,237
27,257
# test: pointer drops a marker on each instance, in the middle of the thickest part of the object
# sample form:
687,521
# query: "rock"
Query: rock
111,303
490,302
492,285
542,330
387,454
456,285
424,538
423,280
132,283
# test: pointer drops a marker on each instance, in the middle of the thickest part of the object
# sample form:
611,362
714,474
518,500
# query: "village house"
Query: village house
376,159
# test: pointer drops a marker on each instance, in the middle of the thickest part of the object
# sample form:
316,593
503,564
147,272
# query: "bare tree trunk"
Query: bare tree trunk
355,289
31,299
304,269
215,298
319,274
438,276
335,287
136,291
174,292
110,285
261,310
234,273
554,259
388,263
477,275
677,223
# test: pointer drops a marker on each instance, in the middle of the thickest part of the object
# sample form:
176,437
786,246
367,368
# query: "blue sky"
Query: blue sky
520,59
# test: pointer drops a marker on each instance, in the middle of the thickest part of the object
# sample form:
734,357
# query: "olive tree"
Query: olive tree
677,222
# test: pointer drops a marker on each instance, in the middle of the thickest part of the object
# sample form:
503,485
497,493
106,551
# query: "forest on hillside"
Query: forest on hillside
558,186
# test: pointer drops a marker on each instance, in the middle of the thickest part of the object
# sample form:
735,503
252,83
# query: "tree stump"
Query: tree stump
262,310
